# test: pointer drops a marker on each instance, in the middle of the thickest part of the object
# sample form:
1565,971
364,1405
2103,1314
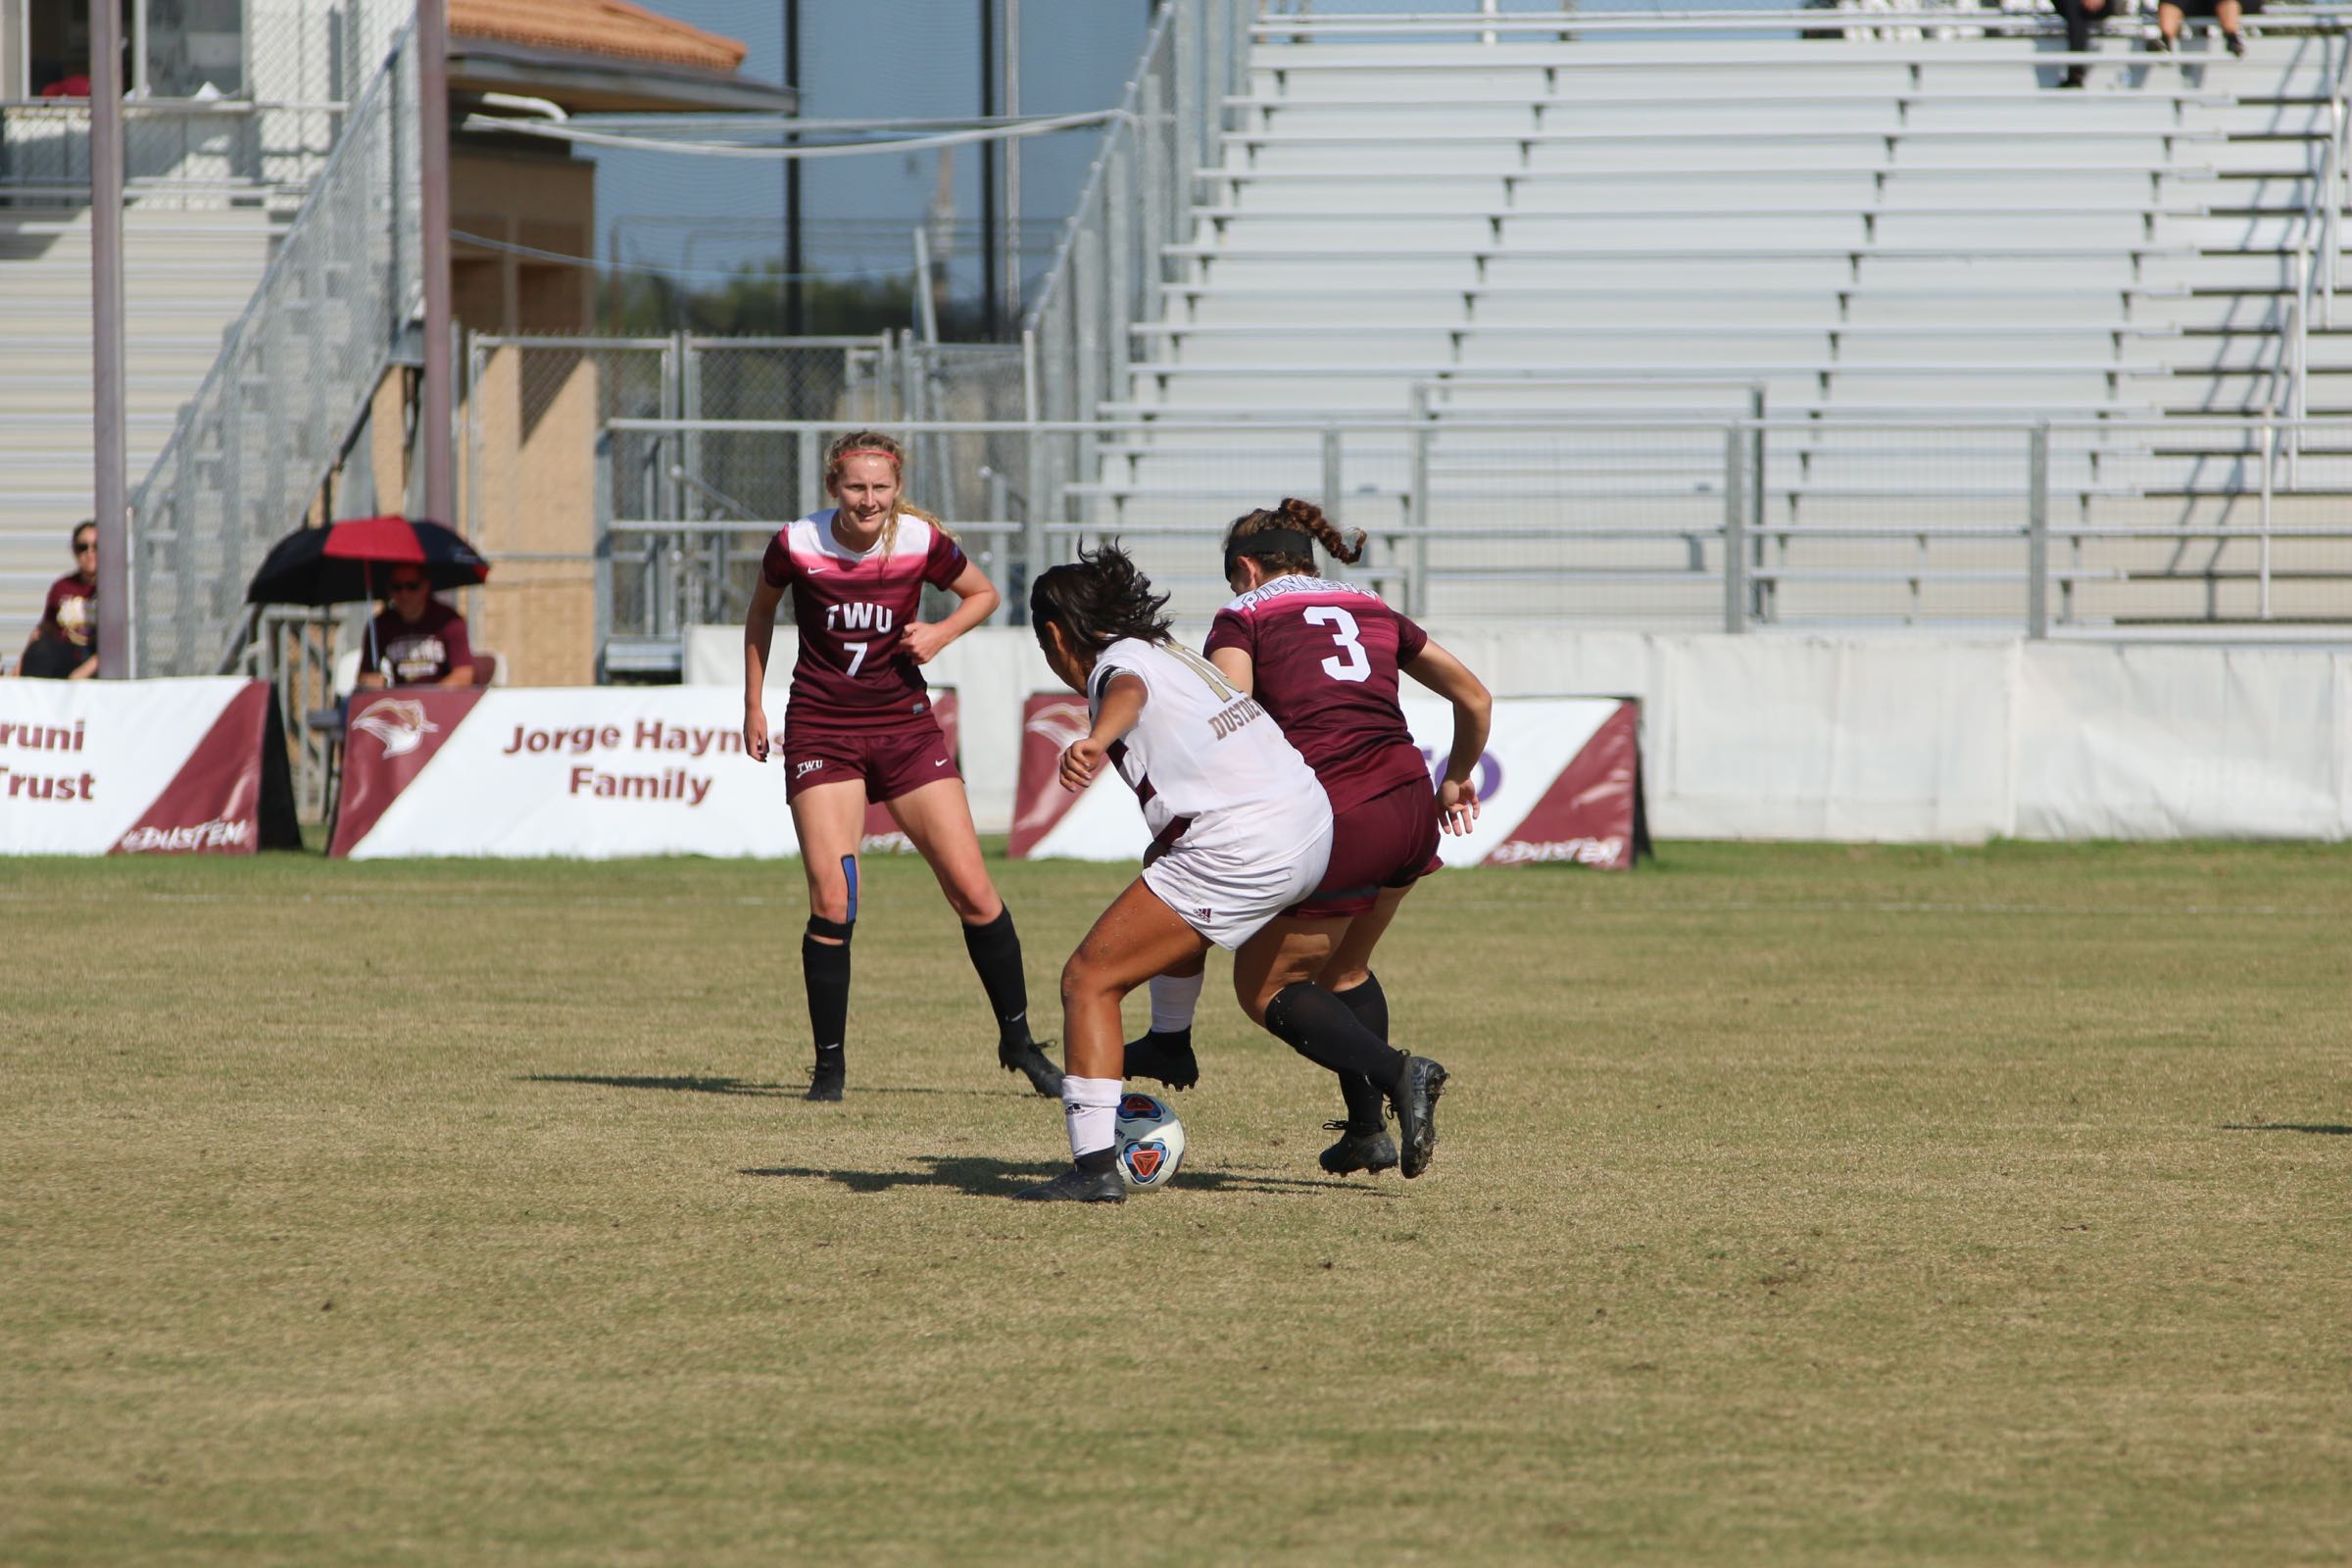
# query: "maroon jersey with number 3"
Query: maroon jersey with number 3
852,608
1325,656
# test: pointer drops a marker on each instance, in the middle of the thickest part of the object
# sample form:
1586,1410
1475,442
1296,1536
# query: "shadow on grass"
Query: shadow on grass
689,1085
1001,1178
2325,1129
692,1085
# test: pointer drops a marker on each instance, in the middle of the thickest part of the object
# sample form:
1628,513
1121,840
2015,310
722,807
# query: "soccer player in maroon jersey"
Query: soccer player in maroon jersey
1324,659
1241,830
860,728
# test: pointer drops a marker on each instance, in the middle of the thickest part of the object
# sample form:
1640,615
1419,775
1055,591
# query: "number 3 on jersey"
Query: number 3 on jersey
1356,664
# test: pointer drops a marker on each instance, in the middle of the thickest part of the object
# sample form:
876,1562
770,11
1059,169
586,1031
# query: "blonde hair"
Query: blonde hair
873,443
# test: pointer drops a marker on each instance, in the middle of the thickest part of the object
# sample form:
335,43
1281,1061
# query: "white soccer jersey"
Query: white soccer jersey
1240,829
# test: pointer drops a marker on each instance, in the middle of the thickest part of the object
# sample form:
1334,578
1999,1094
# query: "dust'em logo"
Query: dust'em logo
399,723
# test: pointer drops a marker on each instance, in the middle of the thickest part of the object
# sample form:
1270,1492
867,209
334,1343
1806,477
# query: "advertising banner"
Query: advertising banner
142,767
589,772
1560,781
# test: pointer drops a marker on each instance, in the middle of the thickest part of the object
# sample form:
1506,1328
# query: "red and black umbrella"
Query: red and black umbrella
348,560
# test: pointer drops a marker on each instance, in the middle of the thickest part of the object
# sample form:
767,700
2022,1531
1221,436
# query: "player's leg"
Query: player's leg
937,819
1138,937
1165,1050
1364,1143
1270,979
828,818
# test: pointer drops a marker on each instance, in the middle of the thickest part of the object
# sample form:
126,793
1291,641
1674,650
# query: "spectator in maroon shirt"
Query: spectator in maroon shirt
417,640
64,645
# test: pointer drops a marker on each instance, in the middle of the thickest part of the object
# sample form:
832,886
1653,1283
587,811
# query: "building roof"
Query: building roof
611,29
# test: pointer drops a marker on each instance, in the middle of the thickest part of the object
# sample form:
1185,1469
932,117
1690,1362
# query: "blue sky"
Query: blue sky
872,58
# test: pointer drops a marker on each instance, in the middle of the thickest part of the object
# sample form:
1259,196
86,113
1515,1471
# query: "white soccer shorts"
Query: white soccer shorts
1228,892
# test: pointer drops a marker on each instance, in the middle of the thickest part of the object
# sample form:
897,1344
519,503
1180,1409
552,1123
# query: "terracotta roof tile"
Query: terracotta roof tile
610,28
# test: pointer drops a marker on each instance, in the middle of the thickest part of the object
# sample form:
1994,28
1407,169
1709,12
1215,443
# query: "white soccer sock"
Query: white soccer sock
1173,999
1091,1106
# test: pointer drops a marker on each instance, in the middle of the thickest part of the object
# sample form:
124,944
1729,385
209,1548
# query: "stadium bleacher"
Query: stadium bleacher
1912,233
188,276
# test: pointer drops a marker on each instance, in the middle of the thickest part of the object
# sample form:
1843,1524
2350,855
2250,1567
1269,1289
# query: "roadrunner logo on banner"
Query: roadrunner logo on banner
399,723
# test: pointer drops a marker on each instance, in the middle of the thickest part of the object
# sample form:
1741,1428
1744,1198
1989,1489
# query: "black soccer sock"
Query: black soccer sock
1322,1028
1367,1106
995,950
1094,1162
825,969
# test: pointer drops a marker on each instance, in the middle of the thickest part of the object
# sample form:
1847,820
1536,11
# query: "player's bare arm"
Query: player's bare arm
1238,668
759,637
924,639
1122,707
1473,715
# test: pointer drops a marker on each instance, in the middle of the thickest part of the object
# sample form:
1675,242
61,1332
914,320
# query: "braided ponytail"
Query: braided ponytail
1299,517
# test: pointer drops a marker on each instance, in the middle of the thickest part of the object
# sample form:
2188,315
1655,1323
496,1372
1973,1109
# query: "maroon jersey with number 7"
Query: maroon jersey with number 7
852,608
1325,656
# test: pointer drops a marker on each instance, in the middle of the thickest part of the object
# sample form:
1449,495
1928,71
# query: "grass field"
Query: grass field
1794,1205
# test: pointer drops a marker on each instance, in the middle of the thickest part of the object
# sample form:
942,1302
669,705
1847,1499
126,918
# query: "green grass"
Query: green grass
1794,1205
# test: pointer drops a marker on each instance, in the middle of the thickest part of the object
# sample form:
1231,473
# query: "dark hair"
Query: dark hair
1295,516
75,537
1097,600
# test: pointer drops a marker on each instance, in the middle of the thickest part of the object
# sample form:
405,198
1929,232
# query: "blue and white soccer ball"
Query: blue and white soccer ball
1150,1144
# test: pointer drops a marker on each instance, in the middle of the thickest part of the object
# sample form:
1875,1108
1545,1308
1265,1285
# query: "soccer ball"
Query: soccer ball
1150,1144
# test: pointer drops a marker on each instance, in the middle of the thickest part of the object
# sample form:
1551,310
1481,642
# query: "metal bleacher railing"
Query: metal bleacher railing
289,392
1693,521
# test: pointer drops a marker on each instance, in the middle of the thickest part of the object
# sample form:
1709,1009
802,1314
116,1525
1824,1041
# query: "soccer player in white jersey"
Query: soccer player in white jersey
860,728
1241,830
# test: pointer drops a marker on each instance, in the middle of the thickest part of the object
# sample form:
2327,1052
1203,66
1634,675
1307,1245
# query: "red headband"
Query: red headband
868,452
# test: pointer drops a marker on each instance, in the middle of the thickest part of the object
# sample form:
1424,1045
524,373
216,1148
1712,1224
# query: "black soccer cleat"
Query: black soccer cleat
1076,1186
2236,43
1415,1101
824,1079
1164,1056
1028,1059
1373,1152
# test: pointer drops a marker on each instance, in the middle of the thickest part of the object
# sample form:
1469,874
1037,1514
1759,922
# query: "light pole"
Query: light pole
118,658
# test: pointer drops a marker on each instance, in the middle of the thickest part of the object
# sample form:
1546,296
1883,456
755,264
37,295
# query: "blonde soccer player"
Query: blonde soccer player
858,728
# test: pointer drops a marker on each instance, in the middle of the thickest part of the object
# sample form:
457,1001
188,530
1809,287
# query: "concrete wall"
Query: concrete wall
1856,739
536,495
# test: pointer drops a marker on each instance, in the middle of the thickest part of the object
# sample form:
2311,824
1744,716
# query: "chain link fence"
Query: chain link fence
227,102
288,395
669,523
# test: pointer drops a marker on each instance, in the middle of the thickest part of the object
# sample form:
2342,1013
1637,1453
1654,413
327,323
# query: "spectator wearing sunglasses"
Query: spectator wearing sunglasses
64,645
418,641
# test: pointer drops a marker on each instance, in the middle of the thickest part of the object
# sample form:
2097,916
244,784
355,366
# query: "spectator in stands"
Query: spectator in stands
2078,15
64,645
417,640
2226,14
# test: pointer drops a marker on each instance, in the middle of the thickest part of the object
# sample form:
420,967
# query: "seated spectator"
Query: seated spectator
64,645
417,640
2078,15
2226,14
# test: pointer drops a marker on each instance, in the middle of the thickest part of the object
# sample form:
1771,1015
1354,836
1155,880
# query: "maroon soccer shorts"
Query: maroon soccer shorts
1389,841
892,762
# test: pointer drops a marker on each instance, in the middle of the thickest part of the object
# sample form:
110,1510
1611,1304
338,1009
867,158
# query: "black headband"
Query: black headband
1270,542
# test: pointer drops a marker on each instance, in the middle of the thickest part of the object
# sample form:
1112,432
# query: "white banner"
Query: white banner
86,766
592,772
1531,743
